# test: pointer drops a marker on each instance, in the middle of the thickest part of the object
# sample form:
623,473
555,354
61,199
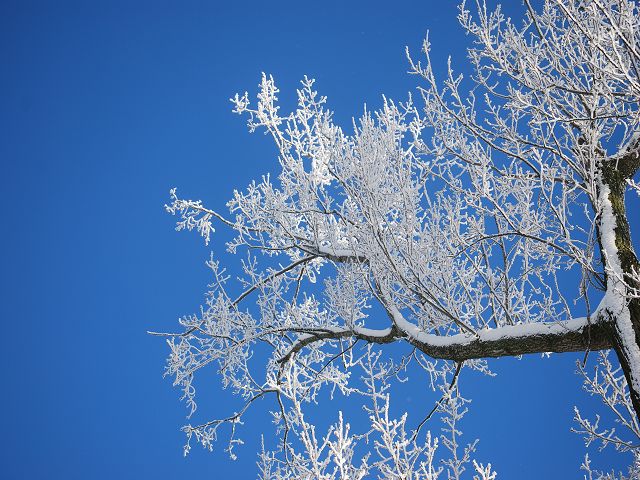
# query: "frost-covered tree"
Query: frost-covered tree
487,217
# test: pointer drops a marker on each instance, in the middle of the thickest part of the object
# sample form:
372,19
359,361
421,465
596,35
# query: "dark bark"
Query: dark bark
597,336
623,357
615,172
594,337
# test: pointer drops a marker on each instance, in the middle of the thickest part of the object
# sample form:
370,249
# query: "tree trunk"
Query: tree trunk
620,263
628,361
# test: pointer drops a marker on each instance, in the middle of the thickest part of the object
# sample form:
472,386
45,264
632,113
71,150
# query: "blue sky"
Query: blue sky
105,107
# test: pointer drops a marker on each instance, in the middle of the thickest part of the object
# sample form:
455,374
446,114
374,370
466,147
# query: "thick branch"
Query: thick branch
571,336
576,335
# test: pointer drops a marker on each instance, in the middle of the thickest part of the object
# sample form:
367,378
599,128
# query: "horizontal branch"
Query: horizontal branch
577,335
571,336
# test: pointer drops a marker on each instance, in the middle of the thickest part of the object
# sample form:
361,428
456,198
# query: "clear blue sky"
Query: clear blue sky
105,106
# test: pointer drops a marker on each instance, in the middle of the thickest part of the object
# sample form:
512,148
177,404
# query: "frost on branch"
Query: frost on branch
633,472
192,215
607,382
390,452
486,218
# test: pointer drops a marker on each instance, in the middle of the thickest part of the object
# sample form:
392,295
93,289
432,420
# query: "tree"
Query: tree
487,219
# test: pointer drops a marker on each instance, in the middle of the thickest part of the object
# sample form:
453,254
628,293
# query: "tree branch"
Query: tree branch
575,335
